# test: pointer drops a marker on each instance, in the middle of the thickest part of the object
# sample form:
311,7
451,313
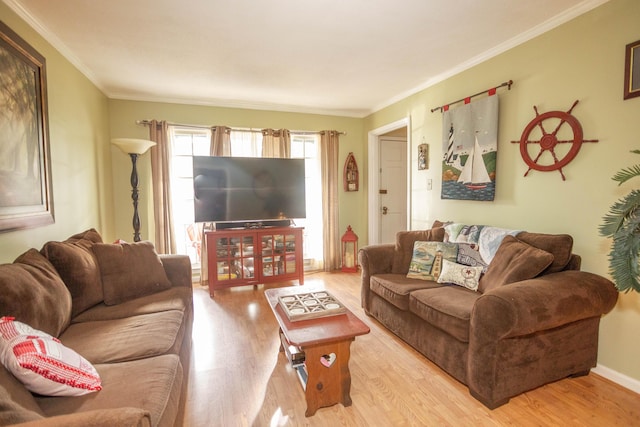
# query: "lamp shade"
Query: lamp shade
132,145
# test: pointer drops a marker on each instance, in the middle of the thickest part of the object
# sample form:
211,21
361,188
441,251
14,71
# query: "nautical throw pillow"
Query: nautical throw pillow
426,261
469,254
404,246
43,364
460,274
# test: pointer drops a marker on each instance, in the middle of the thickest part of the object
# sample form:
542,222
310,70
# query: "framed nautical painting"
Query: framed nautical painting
470,146
26,198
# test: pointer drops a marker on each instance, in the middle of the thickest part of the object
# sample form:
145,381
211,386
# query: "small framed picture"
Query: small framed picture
423,156
632,70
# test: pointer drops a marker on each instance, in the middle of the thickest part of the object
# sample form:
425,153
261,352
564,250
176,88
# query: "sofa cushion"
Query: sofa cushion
77,266
514,261
447,308
91,235
179,298
153,384
426,262
395,288
460,274
129,270
560,245
17,404
130,338
404,246
43,364
121,417
32,292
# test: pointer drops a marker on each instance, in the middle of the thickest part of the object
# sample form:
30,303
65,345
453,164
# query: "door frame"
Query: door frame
373,175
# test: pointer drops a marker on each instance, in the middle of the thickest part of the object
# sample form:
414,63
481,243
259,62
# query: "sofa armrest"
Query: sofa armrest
121,417
178,269
373,259
526,334
542,303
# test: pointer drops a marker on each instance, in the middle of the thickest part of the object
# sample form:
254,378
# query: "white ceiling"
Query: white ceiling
338,57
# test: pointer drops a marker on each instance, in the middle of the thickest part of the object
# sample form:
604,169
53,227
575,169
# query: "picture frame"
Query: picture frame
423,156
632,70
26,197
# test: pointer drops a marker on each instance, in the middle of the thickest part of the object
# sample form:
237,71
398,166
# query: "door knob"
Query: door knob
384,210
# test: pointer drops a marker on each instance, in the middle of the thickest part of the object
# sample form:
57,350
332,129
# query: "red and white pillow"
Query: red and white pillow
43,364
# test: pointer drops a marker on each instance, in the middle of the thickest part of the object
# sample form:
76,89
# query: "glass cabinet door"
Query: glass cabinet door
278,254
269,256
235,259
289,254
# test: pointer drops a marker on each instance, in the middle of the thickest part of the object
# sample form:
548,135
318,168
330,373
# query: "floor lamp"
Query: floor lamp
134,148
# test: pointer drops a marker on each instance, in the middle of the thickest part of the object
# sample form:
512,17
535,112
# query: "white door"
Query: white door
393,188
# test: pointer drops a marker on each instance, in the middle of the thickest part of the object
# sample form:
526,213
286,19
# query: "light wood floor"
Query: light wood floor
238,377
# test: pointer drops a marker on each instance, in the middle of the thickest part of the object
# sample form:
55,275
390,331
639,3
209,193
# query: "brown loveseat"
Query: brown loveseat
533,319
125,309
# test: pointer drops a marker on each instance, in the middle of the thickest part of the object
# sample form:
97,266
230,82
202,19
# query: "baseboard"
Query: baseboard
618,378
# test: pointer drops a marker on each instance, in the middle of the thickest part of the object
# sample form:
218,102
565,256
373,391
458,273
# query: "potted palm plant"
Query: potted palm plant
622,223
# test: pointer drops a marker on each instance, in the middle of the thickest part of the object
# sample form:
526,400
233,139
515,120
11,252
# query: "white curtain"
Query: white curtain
329,141
246,143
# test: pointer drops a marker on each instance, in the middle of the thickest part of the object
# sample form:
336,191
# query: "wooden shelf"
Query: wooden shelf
350,174
252,256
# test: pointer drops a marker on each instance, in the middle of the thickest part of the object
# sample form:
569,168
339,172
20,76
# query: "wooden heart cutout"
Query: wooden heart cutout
328,359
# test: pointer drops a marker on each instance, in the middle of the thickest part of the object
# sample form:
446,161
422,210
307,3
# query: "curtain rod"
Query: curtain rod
147,122
493,89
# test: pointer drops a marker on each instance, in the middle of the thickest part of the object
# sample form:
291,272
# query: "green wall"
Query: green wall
79,145
580,60
124,115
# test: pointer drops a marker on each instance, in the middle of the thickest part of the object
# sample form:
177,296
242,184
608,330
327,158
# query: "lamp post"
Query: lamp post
134,148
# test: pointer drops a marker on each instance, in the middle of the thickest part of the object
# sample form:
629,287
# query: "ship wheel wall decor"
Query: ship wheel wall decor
545,150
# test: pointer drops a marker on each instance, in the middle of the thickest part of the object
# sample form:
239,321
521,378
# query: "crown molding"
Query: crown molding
54,41
521,38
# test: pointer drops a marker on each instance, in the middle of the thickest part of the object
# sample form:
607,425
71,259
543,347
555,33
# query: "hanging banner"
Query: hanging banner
470,146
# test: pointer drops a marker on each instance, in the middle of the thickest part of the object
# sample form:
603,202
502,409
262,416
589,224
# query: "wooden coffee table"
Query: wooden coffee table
326,342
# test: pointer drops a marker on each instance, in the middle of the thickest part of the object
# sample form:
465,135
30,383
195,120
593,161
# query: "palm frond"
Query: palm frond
623,259
622,222
620,212
625,175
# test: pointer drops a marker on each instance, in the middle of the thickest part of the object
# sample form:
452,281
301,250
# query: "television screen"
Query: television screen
233,189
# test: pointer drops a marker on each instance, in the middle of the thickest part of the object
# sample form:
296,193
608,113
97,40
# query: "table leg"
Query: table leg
329,379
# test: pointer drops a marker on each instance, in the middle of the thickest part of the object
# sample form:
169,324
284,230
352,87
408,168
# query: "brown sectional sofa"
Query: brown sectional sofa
521,329
125,309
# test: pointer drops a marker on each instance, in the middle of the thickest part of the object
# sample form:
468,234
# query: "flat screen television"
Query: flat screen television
248,189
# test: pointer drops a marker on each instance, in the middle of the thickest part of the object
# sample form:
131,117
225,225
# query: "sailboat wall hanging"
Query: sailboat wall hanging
470,147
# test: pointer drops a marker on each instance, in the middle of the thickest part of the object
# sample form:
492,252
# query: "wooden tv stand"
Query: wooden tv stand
253,256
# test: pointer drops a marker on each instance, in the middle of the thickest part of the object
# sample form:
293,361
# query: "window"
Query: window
188,142
307,146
